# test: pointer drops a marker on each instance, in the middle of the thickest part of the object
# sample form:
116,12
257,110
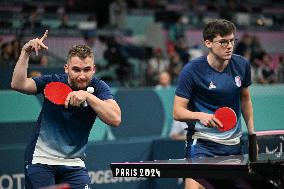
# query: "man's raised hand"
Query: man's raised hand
36,44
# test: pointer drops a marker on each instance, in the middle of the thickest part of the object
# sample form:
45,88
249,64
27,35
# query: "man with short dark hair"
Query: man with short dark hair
207,83
56,152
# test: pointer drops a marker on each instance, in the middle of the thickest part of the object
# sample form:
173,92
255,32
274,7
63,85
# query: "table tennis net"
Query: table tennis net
270,146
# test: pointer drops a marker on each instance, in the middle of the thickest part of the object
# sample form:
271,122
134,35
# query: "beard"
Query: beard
79,86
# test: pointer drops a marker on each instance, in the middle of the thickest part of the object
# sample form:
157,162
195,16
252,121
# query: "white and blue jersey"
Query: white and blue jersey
208,89
61,134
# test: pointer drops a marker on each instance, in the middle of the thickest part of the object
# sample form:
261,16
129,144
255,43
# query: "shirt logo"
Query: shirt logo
238,81
212,85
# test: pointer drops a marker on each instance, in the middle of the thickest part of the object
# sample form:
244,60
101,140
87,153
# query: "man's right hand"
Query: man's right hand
209,120
20,81
35,44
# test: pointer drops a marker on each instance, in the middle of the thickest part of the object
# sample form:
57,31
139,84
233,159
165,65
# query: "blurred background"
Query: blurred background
140,47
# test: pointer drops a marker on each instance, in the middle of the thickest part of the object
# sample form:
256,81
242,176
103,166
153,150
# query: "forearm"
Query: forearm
182,114
20,80
108,111
178,137
20,72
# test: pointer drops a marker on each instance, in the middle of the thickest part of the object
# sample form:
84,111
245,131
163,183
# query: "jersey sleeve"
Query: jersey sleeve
185,83
42,81
247,78
103,91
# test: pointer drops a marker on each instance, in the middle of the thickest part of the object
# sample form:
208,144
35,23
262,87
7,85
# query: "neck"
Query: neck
217,63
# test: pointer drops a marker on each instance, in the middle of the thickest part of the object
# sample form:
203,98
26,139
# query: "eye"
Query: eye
234,40
76,69
224,42
87,69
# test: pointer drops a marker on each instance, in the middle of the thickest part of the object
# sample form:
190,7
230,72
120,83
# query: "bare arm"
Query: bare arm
20,81
181,113
107,110
247,109
178,137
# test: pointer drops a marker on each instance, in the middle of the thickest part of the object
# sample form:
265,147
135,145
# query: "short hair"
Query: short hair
220,27
81,51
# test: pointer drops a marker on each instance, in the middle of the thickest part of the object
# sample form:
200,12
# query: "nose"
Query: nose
230,45
82,75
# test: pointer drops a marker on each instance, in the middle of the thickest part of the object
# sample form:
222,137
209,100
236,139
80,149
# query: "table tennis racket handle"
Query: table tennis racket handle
84,104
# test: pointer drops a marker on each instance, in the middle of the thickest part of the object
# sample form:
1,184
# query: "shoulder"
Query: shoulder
102,90
53,78
45,79
42,81
239,59
195,64
99,84
240,64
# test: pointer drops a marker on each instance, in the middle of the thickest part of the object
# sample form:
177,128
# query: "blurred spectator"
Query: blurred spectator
16,48
243,48
164,80
178,29
178,130
90,24
71,5
118,13
35,73
266,74
281,69
7,55
98,46
177,39
43,61
175,66
194,5
65,22
211,6
32,21
243,6
182,49
157,4
137,4
256,51
195,51
116,60
157,64
228,11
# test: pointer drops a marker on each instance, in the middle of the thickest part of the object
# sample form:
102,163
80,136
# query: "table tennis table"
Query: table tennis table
268,168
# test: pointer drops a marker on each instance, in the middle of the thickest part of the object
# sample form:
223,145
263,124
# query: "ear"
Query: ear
94,69
66,68
208,44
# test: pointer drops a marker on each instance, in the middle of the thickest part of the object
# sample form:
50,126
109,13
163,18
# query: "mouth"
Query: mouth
82,84
79,85
229,53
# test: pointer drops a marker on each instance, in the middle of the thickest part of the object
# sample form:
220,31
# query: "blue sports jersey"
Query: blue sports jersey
208,89
61,134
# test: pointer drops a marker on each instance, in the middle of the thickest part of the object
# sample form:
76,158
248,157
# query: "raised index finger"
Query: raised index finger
40,42
44,36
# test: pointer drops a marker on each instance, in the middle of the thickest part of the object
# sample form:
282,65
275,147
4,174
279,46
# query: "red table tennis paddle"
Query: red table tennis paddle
227,117
57,92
